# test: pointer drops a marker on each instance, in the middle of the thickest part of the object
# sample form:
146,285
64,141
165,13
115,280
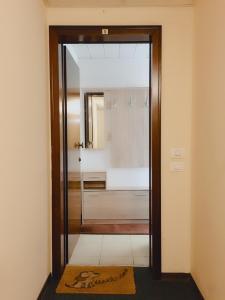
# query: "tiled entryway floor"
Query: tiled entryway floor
113,250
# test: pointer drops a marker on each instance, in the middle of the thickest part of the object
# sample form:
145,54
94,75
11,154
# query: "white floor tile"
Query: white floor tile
111,250
116,245
90,238
140,245
141,261
116,261
88,245
84,261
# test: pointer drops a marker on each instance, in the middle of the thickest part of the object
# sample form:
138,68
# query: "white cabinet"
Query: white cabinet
115,205
108,206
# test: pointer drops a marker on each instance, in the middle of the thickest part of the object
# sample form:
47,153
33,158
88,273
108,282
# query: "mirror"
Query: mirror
73,118
94,120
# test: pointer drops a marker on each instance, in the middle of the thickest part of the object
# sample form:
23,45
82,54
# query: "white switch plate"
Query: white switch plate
177,153
177,166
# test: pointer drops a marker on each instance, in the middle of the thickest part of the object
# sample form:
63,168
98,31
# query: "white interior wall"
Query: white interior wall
25,150
177,43
208,168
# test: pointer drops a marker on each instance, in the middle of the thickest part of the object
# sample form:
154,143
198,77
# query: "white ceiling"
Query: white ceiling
110,51
116,3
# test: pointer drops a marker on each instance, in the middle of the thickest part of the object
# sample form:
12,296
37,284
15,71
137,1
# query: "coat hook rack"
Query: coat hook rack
146,102
130,103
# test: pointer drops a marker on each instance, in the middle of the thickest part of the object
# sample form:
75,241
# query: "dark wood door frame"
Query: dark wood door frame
117,34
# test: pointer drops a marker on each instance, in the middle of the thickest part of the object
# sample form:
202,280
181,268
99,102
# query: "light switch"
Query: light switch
176,166
177,153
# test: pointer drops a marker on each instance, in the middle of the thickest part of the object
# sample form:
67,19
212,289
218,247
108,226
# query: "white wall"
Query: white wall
24,151
176,111
208,201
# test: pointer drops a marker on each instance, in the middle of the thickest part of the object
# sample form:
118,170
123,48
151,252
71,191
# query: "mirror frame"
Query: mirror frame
86,115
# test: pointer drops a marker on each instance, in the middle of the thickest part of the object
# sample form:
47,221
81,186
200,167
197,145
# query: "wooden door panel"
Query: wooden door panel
73,152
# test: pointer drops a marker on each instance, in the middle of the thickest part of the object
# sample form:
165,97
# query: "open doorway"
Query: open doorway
109,191
113,146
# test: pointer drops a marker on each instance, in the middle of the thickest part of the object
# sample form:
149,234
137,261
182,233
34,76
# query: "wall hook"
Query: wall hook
146,102
130,103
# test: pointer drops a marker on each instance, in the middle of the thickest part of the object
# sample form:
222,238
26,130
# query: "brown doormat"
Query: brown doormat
97,280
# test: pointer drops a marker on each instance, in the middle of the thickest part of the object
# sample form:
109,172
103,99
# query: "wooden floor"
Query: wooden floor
115,228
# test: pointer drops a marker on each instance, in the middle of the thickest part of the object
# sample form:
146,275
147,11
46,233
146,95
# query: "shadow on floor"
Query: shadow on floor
147,289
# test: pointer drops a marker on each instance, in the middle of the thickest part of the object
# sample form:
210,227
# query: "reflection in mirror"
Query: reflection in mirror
94,120
73,118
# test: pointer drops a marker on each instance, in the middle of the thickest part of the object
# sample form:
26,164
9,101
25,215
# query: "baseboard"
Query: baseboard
47,281
197,287
180,276
176,276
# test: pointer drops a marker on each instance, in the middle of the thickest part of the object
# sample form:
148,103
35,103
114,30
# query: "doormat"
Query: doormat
97,280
